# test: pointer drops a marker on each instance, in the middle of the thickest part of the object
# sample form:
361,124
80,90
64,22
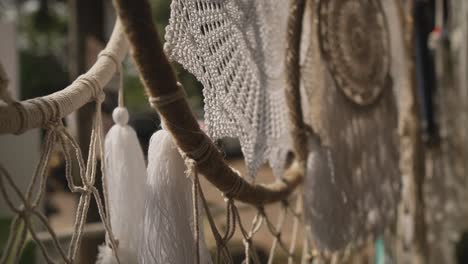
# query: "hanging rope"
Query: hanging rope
56,133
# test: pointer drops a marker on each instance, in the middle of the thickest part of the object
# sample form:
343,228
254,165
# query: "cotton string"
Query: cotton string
222,250
88,178
164,100
118,66
195,197
56,133
202,153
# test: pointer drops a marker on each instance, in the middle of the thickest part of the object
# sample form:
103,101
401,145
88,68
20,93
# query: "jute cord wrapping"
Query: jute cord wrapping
293,78
164,100
118,66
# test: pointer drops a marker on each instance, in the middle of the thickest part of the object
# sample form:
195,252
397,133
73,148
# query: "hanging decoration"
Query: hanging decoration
126,176
169,229
352,184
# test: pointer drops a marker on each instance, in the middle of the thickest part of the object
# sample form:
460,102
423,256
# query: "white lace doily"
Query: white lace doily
236,49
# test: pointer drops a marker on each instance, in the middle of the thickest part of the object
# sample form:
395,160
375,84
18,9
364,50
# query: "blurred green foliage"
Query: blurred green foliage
134,95
37,79
42,38
29,250
42,35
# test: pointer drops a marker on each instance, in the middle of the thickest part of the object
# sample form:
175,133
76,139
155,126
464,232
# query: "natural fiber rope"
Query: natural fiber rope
192,172
56,133
293,78
292,246
119,71
220,241
233,218
29,205
276,234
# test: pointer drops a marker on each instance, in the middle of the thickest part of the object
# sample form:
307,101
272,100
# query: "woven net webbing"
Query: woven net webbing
28,212
280,226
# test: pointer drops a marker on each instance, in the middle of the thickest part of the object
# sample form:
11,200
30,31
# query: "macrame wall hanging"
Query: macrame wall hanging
351,78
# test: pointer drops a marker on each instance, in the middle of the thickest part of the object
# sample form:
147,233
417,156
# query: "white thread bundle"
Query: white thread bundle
168,235
126,178
106,256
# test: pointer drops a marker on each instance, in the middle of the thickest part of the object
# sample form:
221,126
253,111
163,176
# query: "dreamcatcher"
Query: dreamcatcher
346,71
354,180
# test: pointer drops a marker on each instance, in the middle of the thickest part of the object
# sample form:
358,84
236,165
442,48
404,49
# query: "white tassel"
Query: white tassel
126,177
168,235
106,256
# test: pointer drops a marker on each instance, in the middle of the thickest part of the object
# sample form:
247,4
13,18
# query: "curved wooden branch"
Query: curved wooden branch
19,117
159,81
293,74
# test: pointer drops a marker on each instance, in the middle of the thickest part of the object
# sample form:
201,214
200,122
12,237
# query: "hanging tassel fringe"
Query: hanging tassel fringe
126,177
106,256
168,235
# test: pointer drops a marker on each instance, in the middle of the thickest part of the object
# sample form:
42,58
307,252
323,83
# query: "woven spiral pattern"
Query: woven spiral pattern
355,45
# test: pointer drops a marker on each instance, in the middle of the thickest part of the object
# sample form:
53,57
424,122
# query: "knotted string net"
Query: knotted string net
57,135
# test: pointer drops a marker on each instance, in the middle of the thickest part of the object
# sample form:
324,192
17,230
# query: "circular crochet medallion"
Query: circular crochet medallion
354,41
